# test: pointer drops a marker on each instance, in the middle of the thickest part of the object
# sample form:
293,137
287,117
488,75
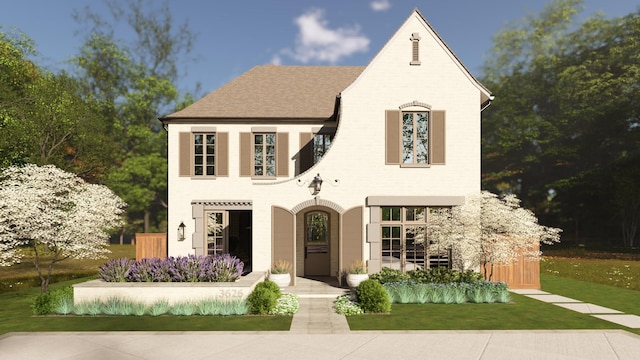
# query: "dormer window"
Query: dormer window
415,49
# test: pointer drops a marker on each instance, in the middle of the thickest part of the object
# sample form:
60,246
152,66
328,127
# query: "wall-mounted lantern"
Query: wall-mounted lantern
181,231
316,184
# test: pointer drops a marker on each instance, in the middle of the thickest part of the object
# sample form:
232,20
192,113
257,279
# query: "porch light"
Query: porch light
316,184
181,231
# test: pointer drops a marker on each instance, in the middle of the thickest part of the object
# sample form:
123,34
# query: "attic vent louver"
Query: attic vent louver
415,39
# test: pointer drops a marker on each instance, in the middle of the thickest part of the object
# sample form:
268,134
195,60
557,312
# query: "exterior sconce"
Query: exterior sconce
316,184
181,231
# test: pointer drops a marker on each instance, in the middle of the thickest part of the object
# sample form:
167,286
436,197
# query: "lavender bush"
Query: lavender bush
217,268
116,270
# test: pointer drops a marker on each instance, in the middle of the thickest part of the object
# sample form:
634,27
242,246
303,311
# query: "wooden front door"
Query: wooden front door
317,255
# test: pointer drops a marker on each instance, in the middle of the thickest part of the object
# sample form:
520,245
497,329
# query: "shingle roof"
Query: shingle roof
271,91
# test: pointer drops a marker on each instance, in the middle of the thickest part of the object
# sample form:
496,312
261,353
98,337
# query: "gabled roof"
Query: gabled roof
486,93
275,92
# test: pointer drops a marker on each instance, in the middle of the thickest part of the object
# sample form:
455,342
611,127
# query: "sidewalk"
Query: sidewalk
317,332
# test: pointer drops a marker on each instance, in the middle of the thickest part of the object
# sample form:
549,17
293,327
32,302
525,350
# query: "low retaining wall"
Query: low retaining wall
173,292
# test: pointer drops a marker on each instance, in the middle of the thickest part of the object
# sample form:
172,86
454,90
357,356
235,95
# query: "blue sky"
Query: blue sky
234,36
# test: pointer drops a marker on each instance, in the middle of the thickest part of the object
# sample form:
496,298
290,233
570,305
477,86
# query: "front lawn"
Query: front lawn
24,275
16,316
522,313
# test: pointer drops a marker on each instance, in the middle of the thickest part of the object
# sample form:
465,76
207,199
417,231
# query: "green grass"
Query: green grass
522,313
613,297
619,273
16,316
25,276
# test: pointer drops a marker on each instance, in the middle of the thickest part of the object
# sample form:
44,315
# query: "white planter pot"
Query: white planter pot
282,280
353,280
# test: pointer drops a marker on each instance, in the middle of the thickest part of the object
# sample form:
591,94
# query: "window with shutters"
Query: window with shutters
264,155
415,138
204,154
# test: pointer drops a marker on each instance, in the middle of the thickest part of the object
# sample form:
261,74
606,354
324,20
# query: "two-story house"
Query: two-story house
323,165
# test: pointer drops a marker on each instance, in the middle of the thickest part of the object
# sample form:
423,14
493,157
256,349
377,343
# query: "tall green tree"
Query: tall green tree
44,119
563,131
135,83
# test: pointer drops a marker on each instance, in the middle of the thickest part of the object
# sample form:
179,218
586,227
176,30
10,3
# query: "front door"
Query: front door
317,257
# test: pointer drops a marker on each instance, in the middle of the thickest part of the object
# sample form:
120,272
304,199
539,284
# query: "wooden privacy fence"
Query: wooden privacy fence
522,274
150,245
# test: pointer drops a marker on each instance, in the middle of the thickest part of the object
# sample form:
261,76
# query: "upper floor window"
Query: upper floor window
264,154
321,143
415,138
204,154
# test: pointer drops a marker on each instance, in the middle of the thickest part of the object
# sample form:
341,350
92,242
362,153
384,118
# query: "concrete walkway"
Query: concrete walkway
318,333
601,312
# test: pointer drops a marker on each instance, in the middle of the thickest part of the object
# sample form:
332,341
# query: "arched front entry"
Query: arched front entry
318,237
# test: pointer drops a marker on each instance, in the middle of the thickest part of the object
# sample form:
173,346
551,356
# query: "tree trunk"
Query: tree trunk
147,215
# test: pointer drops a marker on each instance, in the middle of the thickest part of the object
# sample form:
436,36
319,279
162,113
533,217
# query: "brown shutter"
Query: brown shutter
305,156
245,154
352,236
282,154
437,137
283,236
222,155
393,122
184,156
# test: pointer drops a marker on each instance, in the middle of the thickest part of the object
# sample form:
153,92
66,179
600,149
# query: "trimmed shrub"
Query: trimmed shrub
388,275
372,297
261,301
48,302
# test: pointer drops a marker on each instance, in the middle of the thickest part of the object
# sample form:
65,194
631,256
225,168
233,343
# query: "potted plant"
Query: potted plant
356,273
281,273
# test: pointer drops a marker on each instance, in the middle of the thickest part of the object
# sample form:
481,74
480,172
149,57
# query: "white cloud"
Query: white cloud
316,42
380,5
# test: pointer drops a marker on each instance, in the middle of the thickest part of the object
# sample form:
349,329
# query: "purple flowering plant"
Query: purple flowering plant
217,268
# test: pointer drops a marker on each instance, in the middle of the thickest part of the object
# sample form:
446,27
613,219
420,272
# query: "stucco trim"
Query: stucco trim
263,129
224,204
317,201
415,103
415,200
204,129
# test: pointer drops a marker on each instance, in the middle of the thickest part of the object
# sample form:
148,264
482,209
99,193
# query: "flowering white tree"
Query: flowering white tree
488,230
56,215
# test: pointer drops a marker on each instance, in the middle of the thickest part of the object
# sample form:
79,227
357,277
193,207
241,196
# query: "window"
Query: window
204,150
215,233
321,143
264,154
415,138
403,237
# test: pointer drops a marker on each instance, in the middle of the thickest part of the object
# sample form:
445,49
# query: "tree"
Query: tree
56,215
563,132
489,230
133,83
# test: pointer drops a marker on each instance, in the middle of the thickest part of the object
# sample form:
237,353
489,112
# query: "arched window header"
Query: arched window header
415,103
